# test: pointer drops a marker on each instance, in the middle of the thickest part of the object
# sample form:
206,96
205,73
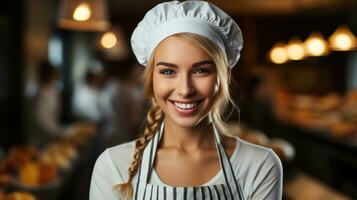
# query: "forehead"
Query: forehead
178,51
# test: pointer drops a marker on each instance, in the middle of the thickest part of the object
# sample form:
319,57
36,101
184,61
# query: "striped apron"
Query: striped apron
145,191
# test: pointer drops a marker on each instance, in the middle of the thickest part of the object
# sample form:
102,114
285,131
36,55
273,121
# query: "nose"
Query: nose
185,87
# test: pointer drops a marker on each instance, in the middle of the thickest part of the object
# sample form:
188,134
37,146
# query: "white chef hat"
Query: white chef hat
198,17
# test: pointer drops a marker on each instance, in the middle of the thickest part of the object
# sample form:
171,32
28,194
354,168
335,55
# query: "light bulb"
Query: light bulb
342,39
295,49
108,40
316,45
82,12
278,54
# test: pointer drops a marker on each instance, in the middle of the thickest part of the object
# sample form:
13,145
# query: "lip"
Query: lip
178,101
185,112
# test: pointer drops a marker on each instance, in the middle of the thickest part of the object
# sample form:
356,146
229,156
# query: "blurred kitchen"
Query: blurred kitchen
70,87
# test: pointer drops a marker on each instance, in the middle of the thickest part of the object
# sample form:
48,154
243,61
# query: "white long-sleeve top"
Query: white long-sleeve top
45,117
257,169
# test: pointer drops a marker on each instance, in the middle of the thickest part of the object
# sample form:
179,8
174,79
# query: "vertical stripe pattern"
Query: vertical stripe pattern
203,192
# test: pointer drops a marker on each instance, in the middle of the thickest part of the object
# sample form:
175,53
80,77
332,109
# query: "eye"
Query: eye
167,72
202,71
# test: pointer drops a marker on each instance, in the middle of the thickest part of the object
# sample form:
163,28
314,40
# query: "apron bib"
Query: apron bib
231,190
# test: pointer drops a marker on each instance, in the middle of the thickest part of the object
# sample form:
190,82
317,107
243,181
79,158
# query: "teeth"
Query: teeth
185,105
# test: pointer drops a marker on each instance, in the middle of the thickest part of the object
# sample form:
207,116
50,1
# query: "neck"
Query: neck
187,138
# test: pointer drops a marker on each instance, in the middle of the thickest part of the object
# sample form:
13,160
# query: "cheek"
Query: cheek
207,86
160,87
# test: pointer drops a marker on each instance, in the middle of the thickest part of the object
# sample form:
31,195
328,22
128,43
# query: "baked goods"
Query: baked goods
18,155
26,167
332,113
29,174
79,133
59,154
20,196
2,194
37,174
5,178
341,129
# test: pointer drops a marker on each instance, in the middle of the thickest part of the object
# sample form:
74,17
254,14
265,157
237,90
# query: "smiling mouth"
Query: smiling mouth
187,105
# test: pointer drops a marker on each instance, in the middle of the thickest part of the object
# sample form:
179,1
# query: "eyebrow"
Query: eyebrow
193,65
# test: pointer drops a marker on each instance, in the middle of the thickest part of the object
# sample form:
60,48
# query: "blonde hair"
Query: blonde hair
155,114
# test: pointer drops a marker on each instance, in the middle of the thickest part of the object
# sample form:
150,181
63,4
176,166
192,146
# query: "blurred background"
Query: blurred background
70,87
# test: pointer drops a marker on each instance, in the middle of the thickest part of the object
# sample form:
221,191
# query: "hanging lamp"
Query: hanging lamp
316,45
113,44
342,39
83,15
295,49
278,54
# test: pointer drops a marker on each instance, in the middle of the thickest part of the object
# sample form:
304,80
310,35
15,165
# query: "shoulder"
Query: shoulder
261,171
110,170
255,159
122,152
114,162
257,150
258,169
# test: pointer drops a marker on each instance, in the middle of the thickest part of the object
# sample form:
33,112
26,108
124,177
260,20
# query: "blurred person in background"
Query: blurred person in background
127,105
46,126
86,105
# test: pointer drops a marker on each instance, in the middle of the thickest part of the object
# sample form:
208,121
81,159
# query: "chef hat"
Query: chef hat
198,17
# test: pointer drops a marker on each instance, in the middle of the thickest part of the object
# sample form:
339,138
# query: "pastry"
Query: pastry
20,196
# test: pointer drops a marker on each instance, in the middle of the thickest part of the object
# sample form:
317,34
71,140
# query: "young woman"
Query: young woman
185,151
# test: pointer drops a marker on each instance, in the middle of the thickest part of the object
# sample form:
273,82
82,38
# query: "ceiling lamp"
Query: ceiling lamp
83,15
316,45
82,12
295,49
113,44
278,54
108,40
342,39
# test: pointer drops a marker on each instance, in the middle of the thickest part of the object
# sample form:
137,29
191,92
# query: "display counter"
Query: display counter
51,173
331,159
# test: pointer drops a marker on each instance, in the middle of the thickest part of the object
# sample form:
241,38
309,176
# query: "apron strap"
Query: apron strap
148,156
227,168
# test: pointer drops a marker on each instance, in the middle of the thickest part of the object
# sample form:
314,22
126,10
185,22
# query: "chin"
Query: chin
186,122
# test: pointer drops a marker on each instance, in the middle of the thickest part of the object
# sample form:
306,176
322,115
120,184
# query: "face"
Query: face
184,81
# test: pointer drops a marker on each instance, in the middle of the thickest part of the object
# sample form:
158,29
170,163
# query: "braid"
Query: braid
153,120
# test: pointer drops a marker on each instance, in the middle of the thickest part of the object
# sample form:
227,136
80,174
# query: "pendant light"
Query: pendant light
108,40
83,15
342,39
316,45
113,44
278,54
295,49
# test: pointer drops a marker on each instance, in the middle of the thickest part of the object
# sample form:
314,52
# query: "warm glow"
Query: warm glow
316,45
278,54
108,40
295,49
343,42
82,12
342,39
